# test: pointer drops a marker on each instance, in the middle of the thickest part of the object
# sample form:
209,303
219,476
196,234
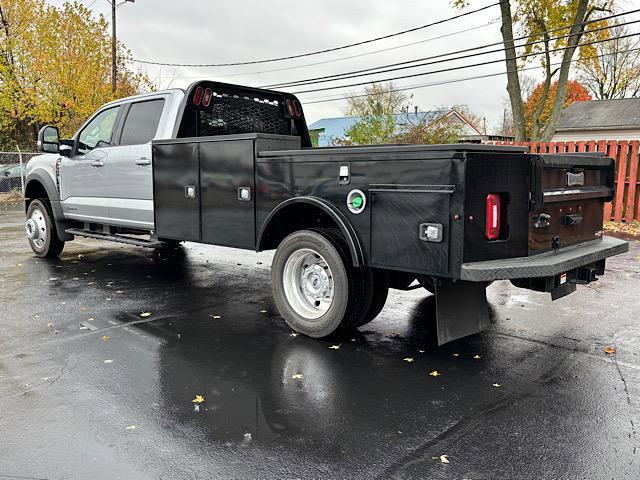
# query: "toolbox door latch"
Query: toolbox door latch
430,232
344,175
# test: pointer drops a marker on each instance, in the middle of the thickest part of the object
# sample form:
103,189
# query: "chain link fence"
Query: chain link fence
12,171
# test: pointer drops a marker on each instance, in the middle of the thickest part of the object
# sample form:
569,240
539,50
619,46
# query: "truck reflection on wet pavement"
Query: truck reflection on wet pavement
89,388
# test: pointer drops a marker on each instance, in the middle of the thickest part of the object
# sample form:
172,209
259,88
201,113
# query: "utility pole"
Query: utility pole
114,41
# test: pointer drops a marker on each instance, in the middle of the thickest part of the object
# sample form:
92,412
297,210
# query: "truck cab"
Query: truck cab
106,177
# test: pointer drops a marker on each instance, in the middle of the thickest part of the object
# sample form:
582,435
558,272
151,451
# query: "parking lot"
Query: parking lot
117,364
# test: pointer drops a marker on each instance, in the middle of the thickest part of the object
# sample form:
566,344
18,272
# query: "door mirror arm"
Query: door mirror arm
66,147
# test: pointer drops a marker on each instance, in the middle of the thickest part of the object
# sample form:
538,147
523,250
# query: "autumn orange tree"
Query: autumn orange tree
538,106
55,68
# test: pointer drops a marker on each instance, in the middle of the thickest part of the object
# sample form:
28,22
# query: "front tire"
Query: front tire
41,230
314,286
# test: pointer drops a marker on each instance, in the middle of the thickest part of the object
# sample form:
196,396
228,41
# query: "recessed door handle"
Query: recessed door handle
97,163
143,161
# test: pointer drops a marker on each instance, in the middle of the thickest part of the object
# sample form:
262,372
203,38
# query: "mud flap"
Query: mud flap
461,309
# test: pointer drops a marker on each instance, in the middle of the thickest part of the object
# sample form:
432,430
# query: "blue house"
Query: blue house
327,130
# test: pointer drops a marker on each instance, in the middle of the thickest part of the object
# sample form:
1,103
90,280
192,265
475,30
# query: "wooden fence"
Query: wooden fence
626,204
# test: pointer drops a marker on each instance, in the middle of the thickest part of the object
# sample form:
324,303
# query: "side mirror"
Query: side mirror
49,139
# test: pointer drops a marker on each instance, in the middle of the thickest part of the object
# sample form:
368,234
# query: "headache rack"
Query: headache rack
212,108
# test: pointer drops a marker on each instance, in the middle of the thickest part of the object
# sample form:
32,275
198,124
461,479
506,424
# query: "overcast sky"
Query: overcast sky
201,31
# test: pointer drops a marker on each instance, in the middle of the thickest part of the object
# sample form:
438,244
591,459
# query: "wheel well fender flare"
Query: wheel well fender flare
355,248
45,180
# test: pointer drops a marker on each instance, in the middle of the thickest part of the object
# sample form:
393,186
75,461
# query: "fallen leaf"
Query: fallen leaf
497,385
198,399
335,347
408,359
435,373
108,361
131,427
296,376
105,338
609,350
145,314
477,357
444,459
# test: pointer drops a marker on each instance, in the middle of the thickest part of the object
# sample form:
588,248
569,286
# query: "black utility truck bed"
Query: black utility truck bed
348,223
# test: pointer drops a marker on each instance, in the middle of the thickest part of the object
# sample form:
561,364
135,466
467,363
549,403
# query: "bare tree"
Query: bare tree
612,70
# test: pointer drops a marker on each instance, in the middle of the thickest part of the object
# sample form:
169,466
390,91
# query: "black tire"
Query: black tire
47,244
379,294
348,287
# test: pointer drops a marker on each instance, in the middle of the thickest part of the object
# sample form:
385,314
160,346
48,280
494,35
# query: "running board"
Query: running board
115,238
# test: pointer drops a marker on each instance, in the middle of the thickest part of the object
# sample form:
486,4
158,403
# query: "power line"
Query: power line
489,62
317,52
363,72
438,37
465,79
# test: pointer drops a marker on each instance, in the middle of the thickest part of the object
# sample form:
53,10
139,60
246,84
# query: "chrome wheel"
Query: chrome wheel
308,283
36,228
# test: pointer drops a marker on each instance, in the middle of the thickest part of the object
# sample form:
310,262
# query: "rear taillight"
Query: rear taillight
492,223
294,109
206,98
197,96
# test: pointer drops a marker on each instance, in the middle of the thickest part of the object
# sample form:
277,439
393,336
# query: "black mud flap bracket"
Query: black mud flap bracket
461,309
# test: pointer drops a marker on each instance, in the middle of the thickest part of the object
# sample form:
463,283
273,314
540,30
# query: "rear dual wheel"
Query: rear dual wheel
317,290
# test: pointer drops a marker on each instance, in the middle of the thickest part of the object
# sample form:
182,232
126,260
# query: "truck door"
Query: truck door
82,176
128,172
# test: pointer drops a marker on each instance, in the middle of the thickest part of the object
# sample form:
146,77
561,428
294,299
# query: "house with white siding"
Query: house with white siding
600,120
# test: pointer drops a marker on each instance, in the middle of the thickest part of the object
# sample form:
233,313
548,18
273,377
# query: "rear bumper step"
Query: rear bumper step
140,242
544,264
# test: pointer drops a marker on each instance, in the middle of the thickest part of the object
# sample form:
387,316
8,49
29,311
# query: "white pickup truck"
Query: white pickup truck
102,176
231,165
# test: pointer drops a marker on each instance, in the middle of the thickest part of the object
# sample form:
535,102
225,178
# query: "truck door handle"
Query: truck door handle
143,161
97,163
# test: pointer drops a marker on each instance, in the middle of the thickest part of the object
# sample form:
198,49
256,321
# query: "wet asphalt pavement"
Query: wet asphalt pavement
91,389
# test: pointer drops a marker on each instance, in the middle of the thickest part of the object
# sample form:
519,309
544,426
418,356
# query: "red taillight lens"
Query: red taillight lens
492,224
297,108
206,98
290,108
197,96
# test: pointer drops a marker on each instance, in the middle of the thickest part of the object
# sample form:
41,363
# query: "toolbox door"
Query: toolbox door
228,192
176,184
400,215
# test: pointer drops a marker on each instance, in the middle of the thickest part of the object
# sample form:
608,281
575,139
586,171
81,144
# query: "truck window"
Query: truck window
99,131
142,122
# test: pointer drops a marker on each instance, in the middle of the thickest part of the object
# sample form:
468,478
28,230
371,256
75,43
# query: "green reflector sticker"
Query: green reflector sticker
356,201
